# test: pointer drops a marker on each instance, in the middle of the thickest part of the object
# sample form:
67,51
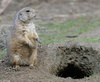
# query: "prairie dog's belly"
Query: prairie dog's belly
24,50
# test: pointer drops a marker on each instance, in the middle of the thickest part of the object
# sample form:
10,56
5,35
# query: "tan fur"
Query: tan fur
22,40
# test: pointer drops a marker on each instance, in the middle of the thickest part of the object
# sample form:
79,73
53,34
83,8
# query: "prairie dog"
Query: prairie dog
22,39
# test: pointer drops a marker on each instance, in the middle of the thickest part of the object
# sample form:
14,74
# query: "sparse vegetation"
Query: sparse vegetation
94,75
52,32
59,32
2,53
96,40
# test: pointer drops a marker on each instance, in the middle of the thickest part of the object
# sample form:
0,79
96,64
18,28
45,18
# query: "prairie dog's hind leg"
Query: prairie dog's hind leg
33,59
15,61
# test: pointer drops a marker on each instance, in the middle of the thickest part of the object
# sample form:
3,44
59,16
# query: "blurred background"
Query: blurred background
49,9
57,20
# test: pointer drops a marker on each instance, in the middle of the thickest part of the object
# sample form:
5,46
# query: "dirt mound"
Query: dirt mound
76,61
56,63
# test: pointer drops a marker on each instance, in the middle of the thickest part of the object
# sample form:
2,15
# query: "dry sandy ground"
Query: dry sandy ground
41,71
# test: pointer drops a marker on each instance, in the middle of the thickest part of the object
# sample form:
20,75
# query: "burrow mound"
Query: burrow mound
71,60
74,61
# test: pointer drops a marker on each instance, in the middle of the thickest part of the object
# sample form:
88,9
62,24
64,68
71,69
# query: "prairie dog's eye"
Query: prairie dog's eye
27,10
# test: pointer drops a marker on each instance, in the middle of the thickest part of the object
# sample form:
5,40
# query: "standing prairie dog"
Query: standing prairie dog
22,40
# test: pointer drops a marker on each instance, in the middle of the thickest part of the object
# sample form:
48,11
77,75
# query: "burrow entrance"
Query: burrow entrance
73,72
76,61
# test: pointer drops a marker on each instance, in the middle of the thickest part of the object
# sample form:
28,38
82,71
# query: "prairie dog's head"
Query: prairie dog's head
26,14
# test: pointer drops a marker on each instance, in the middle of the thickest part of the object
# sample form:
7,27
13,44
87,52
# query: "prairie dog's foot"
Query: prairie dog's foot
31,66
16,68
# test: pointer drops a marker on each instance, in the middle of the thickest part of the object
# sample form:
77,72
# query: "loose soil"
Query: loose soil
59,62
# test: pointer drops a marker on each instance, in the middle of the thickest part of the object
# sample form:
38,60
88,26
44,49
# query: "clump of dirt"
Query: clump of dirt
56,63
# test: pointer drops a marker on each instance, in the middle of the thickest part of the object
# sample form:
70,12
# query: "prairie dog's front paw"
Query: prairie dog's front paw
37,39
31,45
